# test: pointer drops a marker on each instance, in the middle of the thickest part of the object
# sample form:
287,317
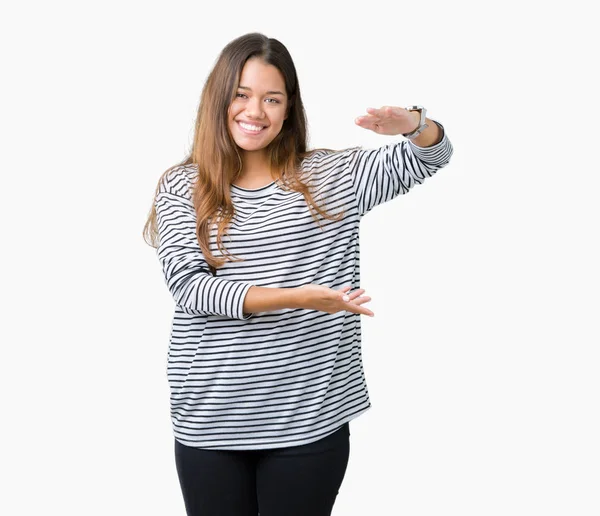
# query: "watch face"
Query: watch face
422,111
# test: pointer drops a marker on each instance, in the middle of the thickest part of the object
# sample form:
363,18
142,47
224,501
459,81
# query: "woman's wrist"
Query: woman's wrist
430,136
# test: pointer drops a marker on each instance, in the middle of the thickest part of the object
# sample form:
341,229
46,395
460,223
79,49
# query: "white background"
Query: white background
482,360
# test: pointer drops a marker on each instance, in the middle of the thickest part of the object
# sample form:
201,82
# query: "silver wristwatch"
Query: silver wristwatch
422,125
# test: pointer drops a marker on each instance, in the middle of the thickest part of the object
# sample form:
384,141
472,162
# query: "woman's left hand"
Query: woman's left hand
389,120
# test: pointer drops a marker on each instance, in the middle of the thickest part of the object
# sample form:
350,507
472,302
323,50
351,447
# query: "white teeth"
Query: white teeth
251,127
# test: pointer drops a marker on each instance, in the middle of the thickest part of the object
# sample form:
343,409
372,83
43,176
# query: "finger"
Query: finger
370,127
382,112
376,112
377,117
356,309
368,119
361,300
357,293
348,298
343,293
366,124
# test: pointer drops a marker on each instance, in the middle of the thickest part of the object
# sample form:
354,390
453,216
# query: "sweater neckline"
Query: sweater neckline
253,192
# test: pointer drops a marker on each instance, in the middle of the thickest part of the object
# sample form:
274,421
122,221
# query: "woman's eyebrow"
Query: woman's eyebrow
268,92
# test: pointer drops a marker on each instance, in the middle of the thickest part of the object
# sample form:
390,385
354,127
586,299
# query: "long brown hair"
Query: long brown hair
216,155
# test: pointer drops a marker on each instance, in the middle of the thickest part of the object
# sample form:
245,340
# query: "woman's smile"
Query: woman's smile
250,128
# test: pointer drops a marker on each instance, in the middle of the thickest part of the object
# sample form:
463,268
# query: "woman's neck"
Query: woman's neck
256,171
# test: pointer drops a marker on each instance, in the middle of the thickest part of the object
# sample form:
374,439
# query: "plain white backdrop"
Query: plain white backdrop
482,360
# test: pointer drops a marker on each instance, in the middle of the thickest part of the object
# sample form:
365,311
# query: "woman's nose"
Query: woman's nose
254,109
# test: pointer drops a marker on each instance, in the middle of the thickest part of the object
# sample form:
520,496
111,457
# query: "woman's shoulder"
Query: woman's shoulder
326,158
178,180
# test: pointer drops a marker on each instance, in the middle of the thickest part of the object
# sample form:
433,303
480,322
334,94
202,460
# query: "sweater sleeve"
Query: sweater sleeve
379,175
186,272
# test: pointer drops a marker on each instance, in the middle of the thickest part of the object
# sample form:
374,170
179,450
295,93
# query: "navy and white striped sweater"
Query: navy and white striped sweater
291,376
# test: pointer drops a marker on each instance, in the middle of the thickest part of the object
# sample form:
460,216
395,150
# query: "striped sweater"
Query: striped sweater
285,377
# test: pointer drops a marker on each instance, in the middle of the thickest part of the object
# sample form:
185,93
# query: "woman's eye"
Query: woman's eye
269,100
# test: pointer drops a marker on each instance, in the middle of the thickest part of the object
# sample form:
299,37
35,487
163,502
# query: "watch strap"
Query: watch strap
422,124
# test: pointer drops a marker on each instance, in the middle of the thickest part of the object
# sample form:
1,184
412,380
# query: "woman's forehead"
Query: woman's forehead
258,75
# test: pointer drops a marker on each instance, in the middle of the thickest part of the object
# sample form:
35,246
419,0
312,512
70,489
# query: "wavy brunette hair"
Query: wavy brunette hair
216,155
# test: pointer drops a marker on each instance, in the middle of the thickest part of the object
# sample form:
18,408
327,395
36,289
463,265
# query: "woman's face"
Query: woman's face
257,113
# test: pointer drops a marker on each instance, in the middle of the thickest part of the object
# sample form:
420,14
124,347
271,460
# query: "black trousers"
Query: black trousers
295,481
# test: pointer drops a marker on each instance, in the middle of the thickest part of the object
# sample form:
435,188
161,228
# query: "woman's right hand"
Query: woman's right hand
325,299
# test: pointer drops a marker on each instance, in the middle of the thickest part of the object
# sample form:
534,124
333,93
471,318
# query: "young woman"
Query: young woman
258,241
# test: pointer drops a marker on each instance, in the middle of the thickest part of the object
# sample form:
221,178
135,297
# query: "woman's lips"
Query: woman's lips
247,131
